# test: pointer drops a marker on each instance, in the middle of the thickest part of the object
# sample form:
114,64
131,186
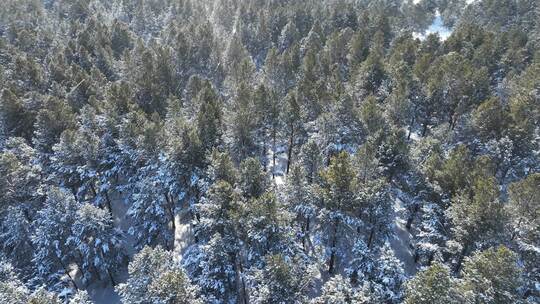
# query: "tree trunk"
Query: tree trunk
411,124
263,154
274,153
74,191
461,257
170,208
109,205
289,153
113,282
411,217
424,128
240,284
370,239
305,237
332,261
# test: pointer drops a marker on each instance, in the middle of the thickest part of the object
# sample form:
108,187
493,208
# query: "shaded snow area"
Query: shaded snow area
103,292
436,27
401,241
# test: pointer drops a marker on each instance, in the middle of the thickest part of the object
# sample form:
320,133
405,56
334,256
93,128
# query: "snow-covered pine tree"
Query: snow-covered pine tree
388,277
300,199
98,243
338,209
283,279
339,290
53,224
155,276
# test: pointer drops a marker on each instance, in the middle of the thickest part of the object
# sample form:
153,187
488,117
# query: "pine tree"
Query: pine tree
457,84
81,297
12,290
152,208
21,176
212,267
523,209
293,126
97,242
155,277
338,290
15,119
374,209
282,280
478,218
362,263
265,228
242,125
490,119
311,159
388,277
55,117
253,180
42,296
301,200
491,276
53,228
15,239
433,285
430,240
173,287
338,207
209,117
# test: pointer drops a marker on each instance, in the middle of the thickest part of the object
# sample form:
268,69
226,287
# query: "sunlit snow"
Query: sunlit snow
436,27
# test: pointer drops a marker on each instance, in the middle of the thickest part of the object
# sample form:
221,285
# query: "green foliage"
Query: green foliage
491,276
431,286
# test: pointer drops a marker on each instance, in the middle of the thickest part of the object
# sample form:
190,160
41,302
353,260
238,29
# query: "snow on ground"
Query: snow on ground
402,238
102,292
183,233
436,27
281,164
415,136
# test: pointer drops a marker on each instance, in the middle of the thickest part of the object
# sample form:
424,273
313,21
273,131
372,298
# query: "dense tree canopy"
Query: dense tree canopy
220,151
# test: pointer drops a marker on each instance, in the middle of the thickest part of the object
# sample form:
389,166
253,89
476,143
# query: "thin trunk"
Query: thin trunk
410,128
289,153
93,189
241,285
332,261
409,222
274,153
370,239
424,128
461,257
411,217
305,237
66,269
172,219
74,191
109,205
111,277
263,156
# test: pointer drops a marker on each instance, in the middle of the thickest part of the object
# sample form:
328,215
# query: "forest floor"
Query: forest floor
402,238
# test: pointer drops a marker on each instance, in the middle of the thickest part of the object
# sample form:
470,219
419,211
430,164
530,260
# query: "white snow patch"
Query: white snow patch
436,27
183,232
